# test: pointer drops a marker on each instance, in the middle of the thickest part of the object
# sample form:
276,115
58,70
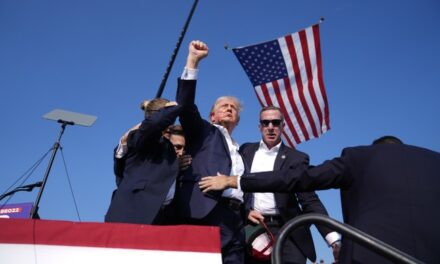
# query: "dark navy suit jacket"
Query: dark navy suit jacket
290,204
209,151
150,168
389,191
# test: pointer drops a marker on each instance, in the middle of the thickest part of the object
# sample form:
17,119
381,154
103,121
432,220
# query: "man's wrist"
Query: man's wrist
189,74
232,182
192,63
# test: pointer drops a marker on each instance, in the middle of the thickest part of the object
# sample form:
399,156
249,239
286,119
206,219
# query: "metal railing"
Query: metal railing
347,231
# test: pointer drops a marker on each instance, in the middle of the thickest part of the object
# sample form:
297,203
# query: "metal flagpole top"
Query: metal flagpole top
70,118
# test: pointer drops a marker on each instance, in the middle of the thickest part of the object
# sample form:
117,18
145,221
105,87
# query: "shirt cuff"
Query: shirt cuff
238,183
332,237
189,74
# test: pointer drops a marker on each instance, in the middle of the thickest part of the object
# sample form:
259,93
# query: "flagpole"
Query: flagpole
176,50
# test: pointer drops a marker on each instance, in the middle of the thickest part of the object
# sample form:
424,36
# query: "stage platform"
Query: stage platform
54,242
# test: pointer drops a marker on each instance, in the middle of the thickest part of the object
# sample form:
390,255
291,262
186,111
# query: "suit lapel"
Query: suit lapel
249,156
281,158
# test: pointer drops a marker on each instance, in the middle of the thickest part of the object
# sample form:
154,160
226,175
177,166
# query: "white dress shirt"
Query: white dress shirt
237,163
264,160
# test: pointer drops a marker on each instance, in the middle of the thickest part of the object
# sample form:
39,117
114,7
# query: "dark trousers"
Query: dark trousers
230,218
291,254
167,215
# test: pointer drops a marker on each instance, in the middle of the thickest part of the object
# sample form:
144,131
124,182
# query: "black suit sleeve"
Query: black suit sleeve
190,118
331,174
150,131
310,203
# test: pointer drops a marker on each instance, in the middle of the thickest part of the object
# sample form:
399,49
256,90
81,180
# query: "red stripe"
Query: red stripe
320,78
266,95
110,235
298,118
308,68
291,48
283,109
289,142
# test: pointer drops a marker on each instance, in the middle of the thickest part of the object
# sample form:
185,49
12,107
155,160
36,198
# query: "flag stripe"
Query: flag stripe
266,95
308,68
315,83
288,139
299,83
283,109
256,90
311,127
313,123
302,132
265,100
320,77
301,118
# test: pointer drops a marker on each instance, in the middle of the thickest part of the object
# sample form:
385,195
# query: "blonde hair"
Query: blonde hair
154,105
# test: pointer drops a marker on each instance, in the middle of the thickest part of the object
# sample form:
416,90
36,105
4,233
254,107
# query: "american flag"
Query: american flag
287,72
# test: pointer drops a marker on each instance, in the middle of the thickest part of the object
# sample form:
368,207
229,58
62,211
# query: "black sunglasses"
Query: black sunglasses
275,122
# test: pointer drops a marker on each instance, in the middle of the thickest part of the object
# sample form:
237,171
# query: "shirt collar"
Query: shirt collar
263,146
227,136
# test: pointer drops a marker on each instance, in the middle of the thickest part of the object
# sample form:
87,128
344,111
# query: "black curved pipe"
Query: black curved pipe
347,231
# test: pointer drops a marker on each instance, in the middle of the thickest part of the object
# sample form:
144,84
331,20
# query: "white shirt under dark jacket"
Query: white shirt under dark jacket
237,167
264,160
237,164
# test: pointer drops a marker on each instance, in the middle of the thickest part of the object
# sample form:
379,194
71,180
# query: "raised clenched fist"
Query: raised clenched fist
196,52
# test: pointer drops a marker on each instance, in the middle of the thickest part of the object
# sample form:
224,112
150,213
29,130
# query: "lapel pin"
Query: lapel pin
283,156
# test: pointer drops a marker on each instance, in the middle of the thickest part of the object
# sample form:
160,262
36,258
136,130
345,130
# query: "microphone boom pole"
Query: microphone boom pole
56,146
176,50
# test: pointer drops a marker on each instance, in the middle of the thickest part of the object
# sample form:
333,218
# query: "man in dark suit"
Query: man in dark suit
275,209
213,151
388,190
174,133
147,186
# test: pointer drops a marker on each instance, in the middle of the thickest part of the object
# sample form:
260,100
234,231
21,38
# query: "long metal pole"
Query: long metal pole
176,50
56,146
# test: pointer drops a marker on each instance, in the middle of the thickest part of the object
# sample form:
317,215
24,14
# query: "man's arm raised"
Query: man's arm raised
196,52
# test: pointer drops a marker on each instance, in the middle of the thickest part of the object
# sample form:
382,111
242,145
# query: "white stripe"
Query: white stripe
320,98
272,95
317,88
42,254
260,95
292,139
304,79
319,95
276,103
295,92
289,110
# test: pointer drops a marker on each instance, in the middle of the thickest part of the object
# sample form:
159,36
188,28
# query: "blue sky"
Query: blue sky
381,66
